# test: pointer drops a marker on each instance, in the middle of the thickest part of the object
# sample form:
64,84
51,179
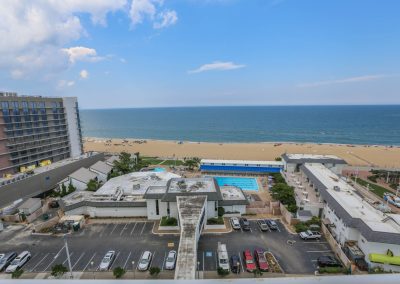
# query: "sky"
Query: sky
164,53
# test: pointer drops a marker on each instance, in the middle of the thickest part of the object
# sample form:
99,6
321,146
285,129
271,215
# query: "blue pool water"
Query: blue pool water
243,183
158,170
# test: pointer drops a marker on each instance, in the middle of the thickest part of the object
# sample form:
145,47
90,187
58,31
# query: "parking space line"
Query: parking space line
165,257
241,262
133,229
37,264
317,242
126,261
78,260
216,260
115,259
316,251
145,223
90,260
113,229
102,232
66,259
203,260
122,231
151,261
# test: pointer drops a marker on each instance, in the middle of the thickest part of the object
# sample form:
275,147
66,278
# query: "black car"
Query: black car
272,224
6,260
245,224
235,264
327,260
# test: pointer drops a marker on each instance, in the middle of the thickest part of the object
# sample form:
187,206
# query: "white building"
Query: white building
352,219
240,166
292,162
153,195
74,125
80,178
101,169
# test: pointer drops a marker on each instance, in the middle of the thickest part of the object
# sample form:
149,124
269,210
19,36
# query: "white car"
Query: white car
310,235
144,261
19,261
171,260
107,261
235,223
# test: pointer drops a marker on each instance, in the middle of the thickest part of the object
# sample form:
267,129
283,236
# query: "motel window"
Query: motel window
157,208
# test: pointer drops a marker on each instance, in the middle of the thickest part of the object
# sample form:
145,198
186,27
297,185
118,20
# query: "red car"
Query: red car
249,261
261,260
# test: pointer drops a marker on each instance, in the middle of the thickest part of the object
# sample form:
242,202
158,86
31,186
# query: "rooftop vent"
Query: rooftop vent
336,188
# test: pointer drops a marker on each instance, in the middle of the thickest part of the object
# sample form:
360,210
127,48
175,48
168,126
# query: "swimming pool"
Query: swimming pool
158,170
243,183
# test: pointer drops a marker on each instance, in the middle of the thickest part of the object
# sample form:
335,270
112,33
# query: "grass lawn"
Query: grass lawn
152,161
377,189
173,163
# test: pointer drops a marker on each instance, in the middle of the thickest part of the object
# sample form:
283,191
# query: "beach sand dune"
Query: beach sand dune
358,155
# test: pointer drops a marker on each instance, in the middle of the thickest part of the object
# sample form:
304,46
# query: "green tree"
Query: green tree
119,272
71,188
127,164
58,270
154,271
63,190
285,194
17,274
92,185
190,163
278,159
257,272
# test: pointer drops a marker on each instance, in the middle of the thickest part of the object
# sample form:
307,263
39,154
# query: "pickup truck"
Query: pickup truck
310,235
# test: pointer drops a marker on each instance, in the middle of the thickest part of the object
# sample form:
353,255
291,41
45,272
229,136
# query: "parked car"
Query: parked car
310,235
235,223
263,225
223,259
272,224
249,261
235,264
261,259
6,260
171,260
107,261
327,260
245,224
19,261
144,261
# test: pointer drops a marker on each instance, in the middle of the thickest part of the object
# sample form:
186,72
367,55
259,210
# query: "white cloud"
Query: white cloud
142,9
217,66
81,53
84,74
64,84
346,80
167,18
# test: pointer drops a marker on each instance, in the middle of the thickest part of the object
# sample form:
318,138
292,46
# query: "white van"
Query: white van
223,259
19,261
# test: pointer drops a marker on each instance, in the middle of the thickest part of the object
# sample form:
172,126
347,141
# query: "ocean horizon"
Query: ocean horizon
340,124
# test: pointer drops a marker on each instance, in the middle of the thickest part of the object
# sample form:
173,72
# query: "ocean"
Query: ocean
370,125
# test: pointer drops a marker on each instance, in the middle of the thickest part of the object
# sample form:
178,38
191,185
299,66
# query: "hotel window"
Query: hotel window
4,106
157,208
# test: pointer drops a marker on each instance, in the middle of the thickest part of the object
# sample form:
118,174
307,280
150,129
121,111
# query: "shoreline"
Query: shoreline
355,155
248,142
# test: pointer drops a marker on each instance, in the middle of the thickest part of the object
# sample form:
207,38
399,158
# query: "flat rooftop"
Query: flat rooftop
136,183
231,193
345,195
311,156
242,162
192,185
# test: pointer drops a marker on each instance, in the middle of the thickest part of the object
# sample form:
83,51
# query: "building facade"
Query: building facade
37,130
240,167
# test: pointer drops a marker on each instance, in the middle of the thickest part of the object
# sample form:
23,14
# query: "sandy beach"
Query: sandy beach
356,155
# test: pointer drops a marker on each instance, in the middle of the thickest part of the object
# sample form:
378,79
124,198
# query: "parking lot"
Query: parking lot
131,239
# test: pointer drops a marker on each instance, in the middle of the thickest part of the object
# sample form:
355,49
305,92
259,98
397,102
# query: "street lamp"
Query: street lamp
238,267
68,256
133,269
198,270
92,265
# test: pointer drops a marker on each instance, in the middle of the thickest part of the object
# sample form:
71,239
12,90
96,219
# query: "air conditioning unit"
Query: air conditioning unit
336,188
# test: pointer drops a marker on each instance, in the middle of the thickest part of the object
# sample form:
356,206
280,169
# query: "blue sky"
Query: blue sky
153,53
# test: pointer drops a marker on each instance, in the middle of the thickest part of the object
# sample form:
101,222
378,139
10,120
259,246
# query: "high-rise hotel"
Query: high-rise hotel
37,130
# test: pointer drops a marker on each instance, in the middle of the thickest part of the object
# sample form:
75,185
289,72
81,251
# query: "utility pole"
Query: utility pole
68,256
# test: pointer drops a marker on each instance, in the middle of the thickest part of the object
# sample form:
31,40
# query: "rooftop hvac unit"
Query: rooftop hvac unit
336,188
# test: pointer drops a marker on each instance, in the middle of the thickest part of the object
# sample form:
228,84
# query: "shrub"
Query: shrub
221,211
58,270
372,178
118,272
257,272
168,221
154,271
17,274
222,272
300,227
216,221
